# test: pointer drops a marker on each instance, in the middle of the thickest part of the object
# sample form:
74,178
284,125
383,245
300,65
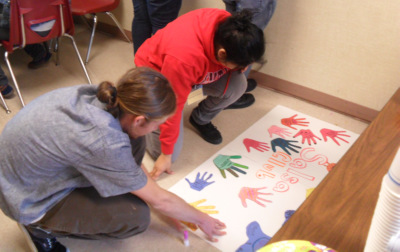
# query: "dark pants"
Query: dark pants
85,214
150,16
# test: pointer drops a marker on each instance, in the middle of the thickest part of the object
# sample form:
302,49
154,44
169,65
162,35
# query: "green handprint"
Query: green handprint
223,163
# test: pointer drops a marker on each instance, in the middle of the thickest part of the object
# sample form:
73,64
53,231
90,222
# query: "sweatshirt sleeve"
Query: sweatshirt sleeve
181,76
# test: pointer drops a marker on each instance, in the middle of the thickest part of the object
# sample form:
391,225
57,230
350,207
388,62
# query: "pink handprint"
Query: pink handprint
260,146
307,134
252,194
293,121
282,132
333,134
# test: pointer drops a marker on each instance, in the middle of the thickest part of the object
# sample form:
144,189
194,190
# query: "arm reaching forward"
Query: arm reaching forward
173,206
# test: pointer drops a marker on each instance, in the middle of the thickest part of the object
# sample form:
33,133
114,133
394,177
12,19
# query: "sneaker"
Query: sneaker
207,131
46,244
244,101
38,63
251,85
7,91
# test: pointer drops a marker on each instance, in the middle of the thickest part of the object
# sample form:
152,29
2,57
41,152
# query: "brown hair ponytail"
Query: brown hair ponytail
141,91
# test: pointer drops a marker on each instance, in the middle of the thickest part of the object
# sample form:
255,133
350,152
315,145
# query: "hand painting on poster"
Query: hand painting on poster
256,238
204,209
223,162
253,195
259,146
334,134
285,145
200,183
307,135
293,121
282,132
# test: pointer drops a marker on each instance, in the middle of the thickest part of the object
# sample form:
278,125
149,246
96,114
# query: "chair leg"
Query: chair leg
119,26
8,111
14,79
79,57
91,38
55,50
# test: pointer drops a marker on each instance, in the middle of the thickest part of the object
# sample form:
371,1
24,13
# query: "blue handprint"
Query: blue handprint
200,183
280,142
288,214
257,239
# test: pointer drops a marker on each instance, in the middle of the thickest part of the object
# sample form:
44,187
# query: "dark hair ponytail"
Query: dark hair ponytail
242,40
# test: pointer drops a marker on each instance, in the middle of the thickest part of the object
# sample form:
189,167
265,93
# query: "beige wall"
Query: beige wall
348,49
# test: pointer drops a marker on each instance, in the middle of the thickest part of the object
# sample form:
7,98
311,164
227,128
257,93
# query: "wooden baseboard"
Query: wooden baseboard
315,97
288,88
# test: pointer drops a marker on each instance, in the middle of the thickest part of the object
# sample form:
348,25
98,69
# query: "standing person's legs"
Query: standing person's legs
153,144
161,12
5,89
216,99
141,25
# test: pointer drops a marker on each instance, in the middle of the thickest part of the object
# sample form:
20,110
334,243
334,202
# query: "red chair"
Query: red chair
37,21
83,7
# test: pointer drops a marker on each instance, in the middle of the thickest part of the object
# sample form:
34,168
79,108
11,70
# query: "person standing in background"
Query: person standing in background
262,14
150,16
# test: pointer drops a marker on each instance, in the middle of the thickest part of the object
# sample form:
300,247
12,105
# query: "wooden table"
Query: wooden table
338,213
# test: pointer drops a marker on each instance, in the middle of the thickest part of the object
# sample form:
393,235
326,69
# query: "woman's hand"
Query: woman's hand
212,227
162,164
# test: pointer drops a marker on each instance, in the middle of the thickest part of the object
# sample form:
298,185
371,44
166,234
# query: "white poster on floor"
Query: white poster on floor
256,182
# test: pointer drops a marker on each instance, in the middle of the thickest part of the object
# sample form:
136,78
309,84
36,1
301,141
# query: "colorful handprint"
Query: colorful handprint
307,134
282,132
284,145
253,195
257,238
204,209
200,183
333,134
293,121
223,163
259,146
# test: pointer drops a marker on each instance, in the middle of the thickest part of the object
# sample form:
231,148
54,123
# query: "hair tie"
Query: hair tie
113,94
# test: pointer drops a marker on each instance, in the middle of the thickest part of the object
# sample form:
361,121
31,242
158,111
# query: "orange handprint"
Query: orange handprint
252,194
293,121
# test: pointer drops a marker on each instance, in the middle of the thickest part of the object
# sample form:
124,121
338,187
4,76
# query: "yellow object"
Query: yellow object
295,246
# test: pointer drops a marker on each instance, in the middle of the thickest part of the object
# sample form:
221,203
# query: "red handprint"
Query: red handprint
282,132
260,146
333,134
293,121
252,194
307,134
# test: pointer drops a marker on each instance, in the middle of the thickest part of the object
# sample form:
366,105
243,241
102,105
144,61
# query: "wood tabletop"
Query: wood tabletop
338,213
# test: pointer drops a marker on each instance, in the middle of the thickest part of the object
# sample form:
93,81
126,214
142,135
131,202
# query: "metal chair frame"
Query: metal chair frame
23,44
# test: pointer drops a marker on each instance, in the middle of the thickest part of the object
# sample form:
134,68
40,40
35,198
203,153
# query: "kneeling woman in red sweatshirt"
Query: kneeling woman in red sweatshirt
208,47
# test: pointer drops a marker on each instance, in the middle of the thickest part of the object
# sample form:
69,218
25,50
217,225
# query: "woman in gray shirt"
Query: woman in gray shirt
70,163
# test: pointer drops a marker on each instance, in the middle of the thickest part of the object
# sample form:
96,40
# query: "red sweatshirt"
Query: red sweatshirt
184,53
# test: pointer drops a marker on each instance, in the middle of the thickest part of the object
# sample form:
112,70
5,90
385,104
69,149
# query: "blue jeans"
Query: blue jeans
262,9
150,16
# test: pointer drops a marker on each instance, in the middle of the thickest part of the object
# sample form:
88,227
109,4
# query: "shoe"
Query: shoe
38,63
251,85
47,244
7,91
244,101
207,131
